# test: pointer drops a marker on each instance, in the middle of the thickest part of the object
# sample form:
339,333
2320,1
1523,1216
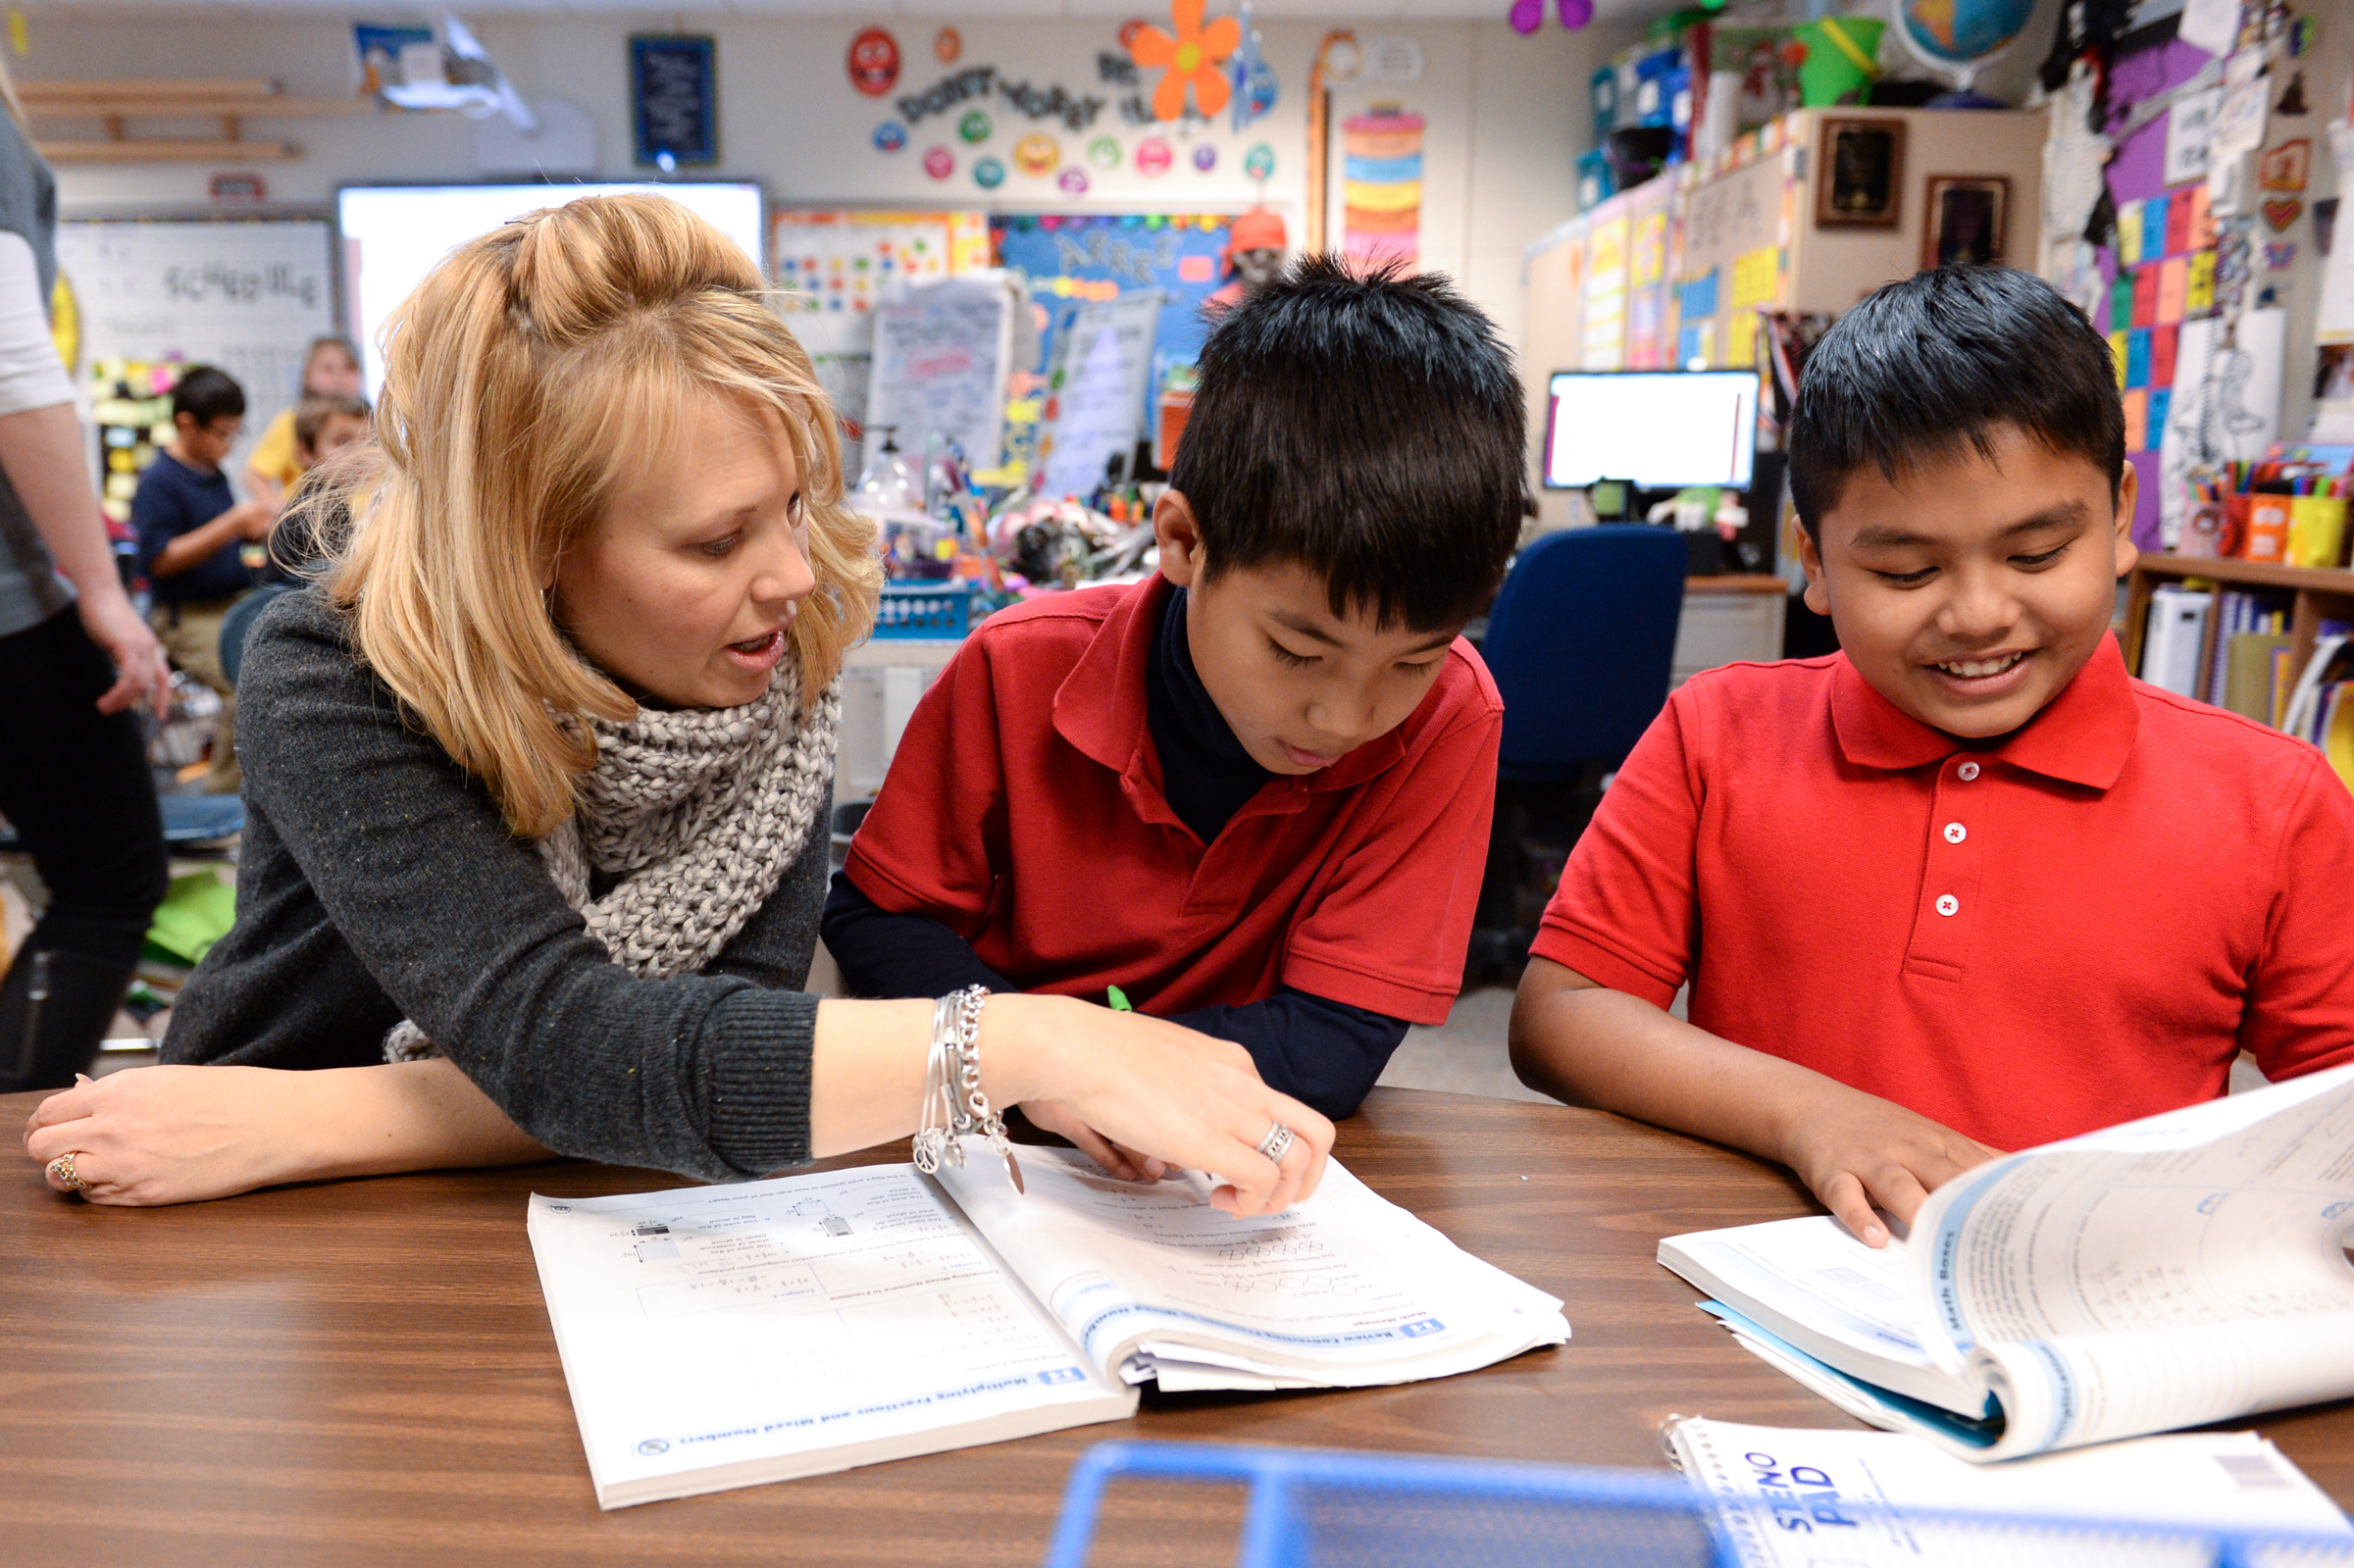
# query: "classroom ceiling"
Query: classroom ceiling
378,9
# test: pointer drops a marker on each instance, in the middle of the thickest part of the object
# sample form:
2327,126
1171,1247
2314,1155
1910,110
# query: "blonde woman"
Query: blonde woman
537,780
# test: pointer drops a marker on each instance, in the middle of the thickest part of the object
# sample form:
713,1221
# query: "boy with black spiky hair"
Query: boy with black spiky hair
1251,792
1964,886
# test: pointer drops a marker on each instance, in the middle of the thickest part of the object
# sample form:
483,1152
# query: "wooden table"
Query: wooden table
362,1373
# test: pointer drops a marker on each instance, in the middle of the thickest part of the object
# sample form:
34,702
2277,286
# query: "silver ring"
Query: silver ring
1278,1143
63,1169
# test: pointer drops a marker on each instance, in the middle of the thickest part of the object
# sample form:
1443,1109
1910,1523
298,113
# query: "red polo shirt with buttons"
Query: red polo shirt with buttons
1023,810
2081,922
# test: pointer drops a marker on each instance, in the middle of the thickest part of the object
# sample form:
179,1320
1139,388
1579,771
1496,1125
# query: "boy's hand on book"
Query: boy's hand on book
1858,1153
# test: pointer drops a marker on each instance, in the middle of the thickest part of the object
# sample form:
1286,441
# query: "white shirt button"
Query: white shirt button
1948,904
1955,832
1968,771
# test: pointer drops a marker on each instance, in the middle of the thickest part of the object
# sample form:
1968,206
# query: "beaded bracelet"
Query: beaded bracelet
953,1105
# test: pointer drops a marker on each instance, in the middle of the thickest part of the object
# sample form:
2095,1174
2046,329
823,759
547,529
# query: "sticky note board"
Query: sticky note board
2129,234
1757,277
2174,285
2145,295
2117,355
1695,343
2163,342
2180,213
2198,294
2137,421
2138,358
1696,300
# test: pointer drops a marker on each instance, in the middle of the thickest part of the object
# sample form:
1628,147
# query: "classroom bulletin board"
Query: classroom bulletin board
1065,260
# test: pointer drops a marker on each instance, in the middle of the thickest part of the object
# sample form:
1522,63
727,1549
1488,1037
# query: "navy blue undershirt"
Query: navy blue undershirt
1324,1052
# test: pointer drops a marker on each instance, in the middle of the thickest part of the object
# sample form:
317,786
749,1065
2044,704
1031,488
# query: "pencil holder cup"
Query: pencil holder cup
2203,529
2268,527
2232,541
2317,531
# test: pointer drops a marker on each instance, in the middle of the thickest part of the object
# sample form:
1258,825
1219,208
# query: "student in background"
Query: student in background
331,368
199,544
1965,886
75,664
1253,791
325,428
539,781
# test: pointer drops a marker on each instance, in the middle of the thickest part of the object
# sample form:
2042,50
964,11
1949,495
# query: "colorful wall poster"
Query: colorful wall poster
833,265
1381,188
1063,260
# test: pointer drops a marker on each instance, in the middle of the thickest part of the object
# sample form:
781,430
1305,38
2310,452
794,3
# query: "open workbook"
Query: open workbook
2185,1268
721,1337
1880,1499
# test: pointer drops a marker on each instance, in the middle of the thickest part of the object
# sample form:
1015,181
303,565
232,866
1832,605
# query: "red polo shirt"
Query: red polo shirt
1023,810
2077,925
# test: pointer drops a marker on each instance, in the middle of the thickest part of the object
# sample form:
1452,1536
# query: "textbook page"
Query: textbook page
724,1336
1344,1289
2175,1271
1815,1286
1863,1499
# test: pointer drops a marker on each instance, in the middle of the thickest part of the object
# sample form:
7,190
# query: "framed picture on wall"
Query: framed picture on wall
1861,180
674,99
1967,218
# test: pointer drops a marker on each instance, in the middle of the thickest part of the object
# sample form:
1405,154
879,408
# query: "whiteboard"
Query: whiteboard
1095,389
395,235
941,356
244,294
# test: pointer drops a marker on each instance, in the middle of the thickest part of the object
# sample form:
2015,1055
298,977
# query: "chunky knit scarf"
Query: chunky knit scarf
699,812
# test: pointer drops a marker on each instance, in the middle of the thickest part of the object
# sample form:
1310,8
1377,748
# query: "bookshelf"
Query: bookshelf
2319,594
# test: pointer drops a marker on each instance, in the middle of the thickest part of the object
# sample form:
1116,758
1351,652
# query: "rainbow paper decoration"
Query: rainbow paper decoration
1382,190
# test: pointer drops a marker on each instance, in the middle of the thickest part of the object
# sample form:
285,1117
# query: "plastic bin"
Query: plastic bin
1318,1509
912,612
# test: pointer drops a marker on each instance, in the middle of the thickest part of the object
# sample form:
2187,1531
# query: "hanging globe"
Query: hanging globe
1961,37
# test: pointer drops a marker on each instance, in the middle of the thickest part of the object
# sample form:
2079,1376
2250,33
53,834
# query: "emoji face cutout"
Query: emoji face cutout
874,63
1037,155
940,162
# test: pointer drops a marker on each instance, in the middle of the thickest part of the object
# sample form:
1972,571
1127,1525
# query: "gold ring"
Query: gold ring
61,1168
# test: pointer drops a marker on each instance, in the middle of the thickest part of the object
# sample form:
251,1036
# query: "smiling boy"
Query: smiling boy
1253,791
1965,885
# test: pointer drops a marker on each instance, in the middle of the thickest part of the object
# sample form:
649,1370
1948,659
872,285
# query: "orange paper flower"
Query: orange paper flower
1193,56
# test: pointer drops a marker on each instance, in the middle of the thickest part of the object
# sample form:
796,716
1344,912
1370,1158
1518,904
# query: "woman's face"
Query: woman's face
684,590
332,373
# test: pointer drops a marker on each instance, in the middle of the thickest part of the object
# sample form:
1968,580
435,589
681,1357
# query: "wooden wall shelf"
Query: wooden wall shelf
229,103
2316,594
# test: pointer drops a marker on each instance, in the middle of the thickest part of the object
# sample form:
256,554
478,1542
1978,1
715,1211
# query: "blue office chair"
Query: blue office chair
1579,642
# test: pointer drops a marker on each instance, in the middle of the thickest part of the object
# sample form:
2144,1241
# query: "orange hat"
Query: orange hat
1258,229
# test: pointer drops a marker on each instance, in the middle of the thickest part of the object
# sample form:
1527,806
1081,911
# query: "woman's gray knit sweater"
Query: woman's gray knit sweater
377,882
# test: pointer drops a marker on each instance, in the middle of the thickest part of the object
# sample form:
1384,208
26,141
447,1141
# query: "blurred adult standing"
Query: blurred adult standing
76,663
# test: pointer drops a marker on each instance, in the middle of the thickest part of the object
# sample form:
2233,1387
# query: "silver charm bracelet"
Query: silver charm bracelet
953,1105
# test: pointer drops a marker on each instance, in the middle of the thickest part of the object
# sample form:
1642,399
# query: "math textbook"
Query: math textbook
721,1337
2182,1269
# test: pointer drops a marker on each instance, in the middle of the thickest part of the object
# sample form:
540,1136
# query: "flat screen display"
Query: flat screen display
1660,429
395,235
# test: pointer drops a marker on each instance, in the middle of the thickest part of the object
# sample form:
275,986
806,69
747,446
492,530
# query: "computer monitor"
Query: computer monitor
1658,430
395,235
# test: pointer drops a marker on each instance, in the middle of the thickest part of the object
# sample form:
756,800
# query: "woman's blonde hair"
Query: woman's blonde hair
531,372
